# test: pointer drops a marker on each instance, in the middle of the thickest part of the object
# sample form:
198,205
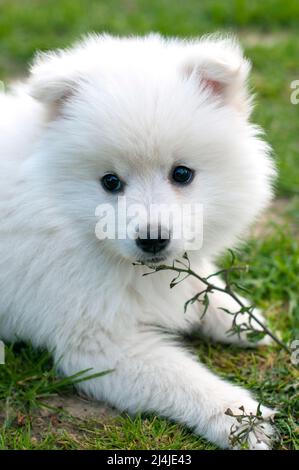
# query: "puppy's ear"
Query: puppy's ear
54,77
219,65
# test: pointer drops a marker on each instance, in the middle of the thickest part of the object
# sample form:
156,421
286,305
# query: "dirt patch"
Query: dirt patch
277,214
256,38
78,407
65,419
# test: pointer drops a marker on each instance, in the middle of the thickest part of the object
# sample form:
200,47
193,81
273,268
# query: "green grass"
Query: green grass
269,32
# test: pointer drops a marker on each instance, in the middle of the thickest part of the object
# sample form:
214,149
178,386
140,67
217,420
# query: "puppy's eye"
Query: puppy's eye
182,175
112,183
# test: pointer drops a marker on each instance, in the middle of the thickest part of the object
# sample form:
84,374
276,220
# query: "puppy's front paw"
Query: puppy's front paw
252,430
263,437
245,339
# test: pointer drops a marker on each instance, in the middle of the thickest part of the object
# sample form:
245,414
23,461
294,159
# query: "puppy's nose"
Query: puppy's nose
152,244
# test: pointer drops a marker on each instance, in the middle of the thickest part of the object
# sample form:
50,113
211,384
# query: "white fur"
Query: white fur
135,106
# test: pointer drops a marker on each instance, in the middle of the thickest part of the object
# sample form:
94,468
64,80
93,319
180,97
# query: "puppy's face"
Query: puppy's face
149,148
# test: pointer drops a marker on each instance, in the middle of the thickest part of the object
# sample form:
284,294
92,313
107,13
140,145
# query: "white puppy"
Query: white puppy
156,121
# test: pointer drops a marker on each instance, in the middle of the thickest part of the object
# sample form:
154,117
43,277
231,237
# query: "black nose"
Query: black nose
152,245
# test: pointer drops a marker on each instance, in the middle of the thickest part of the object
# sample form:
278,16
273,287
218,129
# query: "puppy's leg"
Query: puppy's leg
217,323
152,374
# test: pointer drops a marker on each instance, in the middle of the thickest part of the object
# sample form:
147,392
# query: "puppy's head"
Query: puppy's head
139,130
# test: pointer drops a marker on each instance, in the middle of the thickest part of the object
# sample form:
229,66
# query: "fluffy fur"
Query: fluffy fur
136,107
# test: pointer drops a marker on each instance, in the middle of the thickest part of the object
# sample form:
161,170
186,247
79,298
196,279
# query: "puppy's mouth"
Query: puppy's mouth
152,260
